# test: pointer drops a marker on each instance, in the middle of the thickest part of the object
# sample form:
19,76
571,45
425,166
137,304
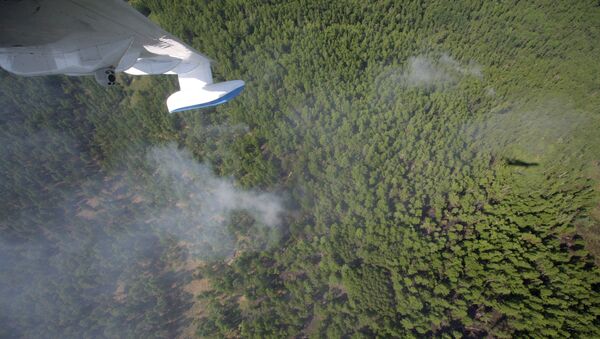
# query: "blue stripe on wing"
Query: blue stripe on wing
225,98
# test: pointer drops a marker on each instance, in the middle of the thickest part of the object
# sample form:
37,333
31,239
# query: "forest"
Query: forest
392,169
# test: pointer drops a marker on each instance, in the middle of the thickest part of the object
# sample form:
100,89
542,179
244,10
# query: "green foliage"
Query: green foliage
439,159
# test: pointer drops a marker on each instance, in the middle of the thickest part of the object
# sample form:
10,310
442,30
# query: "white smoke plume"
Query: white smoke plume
424,71
198,203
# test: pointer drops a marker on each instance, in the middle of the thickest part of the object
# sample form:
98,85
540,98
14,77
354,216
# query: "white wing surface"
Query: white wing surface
101,37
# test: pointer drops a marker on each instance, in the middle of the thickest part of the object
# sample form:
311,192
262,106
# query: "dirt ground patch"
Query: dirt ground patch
119,294
87,214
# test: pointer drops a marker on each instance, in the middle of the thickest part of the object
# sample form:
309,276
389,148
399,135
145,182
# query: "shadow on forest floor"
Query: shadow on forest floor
520,163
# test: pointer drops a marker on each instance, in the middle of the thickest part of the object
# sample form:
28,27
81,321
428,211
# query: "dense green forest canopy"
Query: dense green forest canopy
393,169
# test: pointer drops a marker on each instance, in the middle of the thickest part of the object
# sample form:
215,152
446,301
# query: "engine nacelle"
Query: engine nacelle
106,77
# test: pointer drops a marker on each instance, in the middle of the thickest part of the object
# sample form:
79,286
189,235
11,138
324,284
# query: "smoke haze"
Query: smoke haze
93,246
542,130
424,71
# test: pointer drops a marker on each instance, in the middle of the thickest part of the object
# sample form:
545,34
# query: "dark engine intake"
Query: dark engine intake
106,77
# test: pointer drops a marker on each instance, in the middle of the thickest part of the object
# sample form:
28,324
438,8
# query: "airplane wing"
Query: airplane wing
101,37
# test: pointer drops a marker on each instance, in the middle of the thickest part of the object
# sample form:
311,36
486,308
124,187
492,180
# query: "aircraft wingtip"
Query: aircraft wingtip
208,96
